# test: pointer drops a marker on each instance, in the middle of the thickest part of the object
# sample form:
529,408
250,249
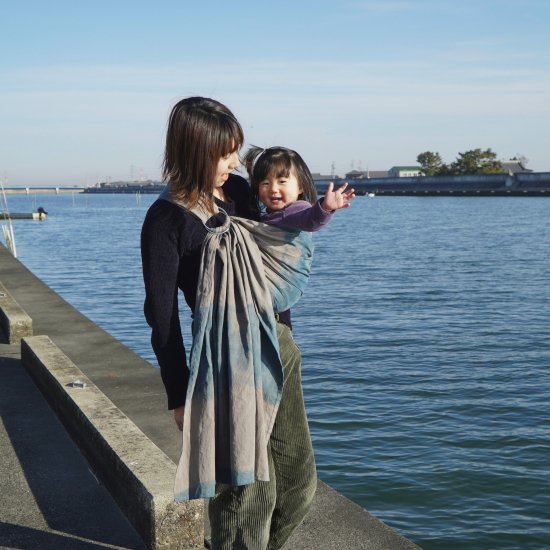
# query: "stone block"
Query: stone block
14,321
136,472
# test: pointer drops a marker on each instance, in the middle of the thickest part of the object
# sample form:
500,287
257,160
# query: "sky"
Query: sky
86,87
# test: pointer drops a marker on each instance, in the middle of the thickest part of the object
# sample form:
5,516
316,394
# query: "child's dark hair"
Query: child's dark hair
278,162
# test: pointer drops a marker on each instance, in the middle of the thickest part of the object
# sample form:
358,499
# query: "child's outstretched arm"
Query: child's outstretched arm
334,200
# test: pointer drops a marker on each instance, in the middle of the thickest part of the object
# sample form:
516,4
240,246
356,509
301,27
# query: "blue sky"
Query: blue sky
86,87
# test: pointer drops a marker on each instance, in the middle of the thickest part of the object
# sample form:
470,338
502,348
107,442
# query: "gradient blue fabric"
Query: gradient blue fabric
249,271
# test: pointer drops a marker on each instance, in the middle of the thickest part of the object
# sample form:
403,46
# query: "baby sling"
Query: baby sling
249,271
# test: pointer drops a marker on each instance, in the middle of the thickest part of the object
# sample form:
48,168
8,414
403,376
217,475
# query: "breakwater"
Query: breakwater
41,190
127,188
528,184
524,184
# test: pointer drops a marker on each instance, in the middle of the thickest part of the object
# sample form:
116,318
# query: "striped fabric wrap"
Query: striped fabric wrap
248,272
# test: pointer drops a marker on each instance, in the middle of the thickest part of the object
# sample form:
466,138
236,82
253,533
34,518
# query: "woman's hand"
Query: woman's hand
178,417
334,200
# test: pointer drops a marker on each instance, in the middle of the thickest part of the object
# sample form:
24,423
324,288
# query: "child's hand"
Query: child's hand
334,200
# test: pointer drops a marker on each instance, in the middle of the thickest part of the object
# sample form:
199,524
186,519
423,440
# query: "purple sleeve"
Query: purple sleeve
300,215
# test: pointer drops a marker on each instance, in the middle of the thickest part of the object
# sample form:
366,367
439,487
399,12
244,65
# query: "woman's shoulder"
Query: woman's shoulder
162,208
167,224
167,217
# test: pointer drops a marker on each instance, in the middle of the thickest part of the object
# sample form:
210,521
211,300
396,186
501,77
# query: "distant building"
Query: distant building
118,184
323,177
356,175
404,171
514,166
365,174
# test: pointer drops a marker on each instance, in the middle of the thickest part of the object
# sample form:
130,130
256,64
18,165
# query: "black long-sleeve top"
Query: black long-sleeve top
171,242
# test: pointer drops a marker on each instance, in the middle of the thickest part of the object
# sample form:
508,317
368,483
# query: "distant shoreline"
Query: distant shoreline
506,184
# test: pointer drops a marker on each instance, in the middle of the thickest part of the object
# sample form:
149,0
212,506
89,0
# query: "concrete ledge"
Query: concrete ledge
136,472
14,321
336,523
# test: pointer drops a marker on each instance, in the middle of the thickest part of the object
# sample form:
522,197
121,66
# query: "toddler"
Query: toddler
284,192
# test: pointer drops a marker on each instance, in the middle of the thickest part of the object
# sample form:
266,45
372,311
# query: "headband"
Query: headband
256,159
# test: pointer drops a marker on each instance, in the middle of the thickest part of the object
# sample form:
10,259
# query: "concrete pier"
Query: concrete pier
41,190
58,492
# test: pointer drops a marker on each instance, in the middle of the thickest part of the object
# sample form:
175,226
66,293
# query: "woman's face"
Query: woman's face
226,165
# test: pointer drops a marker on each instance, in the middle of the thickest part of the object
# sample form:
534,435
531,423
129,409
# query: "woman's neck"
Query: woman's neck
219,194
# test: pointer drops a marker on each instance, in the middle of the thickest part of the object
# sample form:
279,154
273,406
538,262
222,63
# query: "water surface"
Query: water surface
425,333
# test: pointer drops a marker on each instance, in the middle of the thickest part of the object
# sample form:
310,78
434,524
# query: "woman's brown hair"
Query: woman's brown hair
200,132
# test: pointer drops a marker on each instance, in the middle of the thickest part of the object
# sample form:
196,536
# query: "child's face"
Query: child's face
278,192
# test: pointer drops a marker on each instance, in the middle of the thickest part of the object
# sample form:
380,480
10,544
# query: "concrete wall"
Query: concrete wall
530,184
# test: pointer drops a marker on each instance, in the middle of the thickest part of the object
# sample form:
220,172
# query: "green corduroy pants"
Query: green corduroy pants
263,515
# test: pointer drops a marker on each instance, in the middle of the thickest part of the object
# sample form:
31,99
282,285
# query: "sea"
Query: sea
425,339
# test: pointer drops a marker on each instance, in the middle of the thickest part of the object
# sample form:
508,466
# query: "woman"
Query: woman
202,143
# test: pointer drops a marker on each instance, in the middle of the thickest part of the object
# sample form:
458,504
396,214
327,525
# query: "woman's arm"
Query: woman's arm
160,260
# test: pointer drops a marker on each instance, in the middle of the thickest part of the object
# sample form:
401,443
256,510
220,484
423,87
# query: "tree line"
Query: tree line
475,161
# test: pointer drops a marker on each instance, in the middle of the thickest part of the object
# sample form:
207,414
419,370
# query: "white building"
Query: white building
404,171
